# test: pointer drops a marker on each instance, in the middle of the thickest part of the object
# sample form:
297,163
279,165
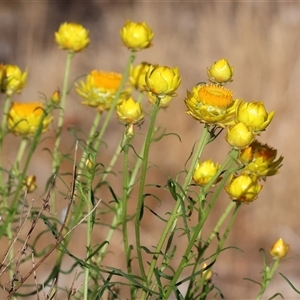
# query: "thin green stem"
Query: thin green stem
88,240
172,221
124,201
56,159
185,258
142,186
114,103
268,275
2,135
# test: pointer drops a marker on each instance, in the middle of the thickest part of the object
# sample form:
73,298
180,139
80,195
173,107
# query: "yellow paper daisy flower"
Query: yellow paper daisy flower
212,104
24,118
99,89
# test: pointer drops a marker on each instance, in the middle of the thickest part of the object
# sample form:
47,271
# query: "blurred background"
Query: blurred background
260,39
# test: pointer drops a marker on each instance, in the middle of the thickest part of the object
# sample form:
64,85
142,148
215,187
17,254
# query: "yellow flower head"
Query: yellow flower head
239,136
24,118
137,76
29,184
259,160
243,188
205,171
130,112
73,37
279,249
211,104
13,79
254,116
99,89
220,72
162,81
136,36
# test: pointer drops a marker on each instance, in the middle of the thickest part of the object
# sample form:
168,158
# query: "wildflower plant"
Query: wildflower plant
125,101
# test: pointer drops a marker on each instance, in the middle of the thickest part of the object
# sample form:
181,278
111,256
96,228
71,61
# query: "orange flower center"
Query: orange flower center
26,109
106,80
216,96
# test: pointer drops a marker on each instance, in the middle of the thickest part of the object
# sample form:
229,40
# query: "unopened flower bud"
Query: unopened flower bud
254,116
72,36
279,249
29,184
136,36
239,136
207,274
243,188
130,112
205,171
55,98
220,72
162,81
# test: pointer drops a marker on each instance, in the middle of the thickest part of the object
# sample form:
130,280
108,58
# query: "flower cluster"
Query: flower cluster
214,105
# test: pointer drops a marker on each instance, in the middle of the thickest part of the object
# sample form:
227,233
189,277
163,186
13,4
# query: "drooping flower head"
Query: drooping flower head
13,80
211,104
99,89
260,160
254,116
243,188
220,72
239,136
205,171
279,249
72,36
130,111
24,118
162,81
136,36
137,76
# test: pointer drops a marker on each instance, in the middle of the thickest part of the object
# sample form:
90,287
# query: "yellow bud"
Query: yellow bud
220,72
205,171
136,36
254,116
29,184
243,188
279,249
162,81
90,163
72,36
239,136
137,76
207,274
130,111
55,98
13,79
24,118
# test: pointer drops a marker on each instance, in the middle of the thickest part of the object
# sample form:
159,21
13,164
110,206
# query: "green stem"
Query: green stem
56,159
2,135
269,273
184,261
88,241
172,221
116,99
124,201
142,186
